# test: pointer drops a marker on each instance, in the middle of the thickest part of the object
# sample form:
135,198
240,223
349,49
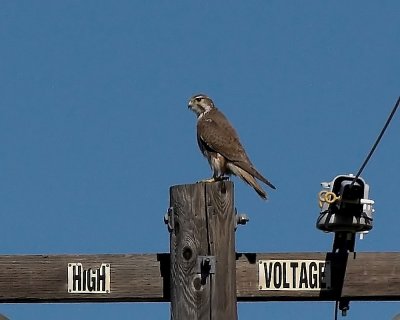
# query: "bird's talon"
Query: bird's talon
223,178
206,180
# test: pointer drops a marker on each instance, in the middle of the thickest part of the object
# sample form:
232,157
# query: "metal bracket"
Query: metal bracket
240,218
205,265
169,219
344,306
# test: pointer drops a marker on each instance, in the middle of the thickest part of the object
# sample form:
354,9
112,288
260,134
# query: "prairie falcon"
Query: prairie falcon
219,143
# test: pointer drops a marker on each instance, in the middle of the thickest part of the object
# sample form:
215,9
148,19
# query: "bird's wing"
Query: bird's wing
217,134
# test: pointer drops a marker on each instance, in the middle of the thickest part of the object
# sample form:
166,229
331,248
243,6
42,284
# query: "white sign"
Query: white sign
91,280
298,275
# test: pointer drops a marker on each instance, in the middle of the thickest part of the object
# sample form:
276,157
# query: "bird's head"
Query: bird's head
200,104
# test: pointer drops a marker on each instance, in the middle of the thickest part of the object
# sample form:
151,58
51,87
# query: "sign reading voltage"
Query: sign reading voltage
91,280
294,275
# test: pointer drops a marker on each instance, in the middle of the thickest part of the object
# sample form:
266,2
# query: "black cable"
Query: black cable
376,142
336,310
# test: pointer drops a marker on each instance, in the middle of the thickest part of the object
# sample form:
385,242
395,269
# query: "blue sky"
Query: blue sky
94,126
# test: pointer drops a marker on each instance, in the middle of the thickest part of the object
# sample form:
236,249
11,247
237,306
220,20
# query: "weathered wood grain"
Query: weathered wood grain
189,296
372,276
202,225
43,278
367,276
221,239
145,278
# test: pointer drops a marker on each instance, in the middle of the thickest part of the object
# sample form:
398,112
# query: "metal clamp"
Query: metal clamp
240,218
205,265
169,219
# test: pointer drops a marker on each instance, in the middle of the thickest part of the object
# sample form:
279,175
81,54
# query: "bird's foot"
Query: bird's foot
213,179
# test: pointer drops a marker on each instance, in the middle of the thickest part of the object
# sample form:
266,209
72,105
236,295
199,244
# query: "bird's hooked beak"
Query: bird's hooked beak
190,105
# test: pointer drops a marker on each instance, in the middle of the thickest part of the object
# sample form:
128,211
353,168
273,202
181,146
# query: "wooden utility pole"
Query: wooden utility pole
203,261
202,276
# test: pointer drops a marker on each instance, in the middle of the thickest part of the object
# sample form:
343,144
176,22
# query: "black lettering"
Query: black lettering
285,283
101,278
303,276
84,278
313,276
95,280
268,272
277,275
91,280
294,266
76,278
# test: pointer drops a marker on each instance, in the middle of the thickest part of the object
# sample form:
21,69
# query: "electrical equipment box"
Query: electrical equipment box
345,205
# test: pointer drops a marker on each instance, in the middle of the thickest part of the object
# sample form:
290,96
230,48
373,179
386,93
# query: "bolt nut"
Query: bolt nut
242,218
166,218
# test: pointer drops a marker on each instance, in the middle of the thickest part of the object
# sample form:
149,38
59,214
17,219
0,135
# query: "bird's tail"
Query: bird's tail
251,170
259,176
248,178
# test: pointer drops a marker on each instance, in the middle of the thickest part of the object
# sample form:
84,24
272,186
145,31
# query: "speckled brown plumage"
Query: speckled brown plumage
220,144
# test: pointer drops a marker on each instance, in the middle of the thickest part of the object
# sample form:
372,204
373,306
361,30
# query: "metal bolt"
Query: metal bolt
242,218
166,218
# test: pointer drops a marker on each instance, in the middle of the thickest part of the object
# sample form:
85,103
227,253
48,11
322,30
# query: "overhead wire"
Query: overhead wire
389,119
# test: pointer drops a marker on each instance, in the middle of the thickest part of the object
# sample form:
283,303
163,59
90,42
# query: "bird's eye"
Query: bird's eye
198,99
